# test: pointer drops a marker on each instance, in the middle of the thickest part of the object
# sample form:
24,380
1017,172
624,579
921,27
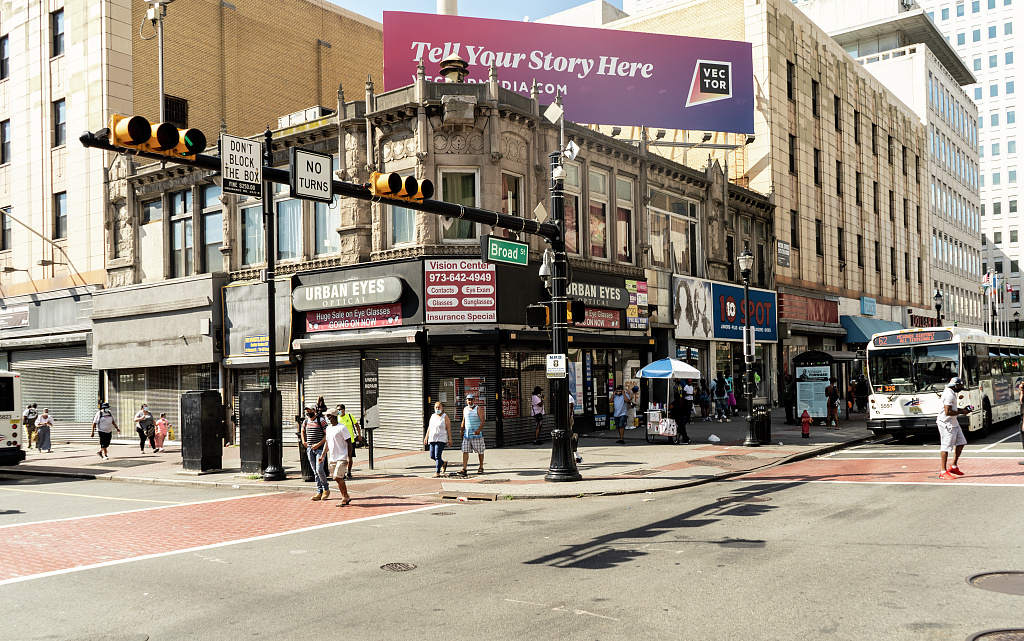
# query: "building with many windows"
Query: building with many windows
900,45
987,36
65,67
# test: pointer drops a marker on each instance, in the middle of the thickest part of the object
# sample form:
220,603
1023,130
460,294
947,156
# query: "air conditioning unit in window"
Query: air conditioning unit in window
305,115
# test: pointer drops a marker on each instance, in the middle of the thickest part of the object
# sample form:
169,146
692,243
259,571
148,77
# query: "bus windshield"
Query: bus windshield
910,370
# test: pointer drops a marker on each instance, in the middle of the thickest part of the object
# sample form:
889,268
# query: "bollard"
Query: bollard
274,471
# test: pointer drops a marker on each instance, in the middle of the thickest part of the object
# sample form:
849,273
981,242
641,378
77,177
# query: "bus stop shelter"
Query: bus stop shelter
813,370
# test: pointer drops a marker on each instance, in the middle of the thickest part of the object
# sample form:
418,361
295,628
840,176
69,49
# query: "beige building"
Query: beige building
65,67
844,158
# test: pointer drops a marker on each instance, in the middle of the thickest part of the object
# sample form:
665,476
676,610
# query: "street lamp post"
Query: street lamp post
1016,324
746,261
938,308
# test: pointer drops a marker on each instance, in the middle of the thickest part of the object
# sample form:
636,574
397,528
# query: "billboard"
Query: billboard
604,76
729,317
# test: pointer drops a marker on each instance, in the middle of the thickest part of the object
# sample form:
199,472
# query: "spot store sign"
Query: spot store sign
354,318
730,317
459,291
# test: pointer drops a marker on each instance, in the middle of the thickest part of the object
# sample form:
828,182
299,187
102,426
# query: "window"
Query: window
181,233
571,212
1013,206
856,127
5,57
984,240
1014,267
961,38
874,139
975,6
992,32
994,119
1009,87
814,98
919,276
59,123
458,187
152,211
1011,116
878,257
997,237
996,178
176,111
999,267
1007,28
977,64
919,219
213,230
794,229
624,220
840,245
977,96
906,213
905,160
839,178
991,4
877,205
673,222
5,142
60,215
976,35
860,250
1009,58
598,218
837,111
289,229
6,233
993,91
817,167
790,79
1013,235
252,235
792,154
892,261
1011,176
891,151
511,199
995,149
819,240
57,33
892,206
857,190
906,266
945,13
960,10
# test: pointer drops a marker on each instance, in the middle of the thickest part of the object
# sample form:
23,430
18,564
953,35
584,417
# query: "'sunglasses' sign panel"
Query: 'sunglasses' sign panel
604,76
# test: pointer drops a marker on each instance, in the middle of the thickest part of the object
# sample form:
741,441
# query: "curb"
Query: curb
277,487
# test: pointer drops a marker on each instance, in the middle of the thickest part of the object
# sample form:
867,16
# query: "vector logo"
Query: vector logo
712,80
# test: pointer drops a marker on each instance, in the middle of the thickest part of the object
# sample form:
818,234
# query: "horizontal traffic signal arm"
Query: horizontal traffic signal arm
345,190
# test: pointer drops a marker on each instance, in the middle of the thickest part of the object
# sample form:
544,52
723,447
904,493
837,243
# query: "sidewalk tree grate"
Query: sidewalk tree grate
1006,582
640,472
397,567
998,635
123,462
743,499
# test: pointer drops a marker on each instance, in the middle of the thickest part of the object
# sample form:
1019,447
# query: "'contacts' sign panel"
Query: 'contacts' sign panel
603,75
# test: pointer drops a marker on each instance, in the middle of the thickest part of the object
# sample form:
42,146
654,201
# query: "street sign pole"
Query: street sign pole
272,473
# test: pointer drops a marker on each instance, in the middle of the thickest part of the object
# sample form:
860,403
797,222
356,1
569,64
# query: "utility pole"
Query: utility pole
156,14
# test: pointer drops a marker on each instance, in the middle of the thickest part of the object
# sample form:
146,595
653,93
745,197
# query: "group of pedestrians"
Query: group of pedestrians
439,434
155,430
329,437
37,428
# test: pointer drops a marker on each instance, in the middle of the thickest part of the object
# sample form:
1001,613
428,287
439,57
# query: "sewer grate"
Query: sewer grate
743,499
1006,582
398,567
734,457
442,513
998,635
639,472
123,462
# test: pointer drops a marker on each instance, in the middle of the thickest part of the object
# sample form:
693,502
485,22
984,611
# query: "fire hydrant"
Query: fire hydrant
805,425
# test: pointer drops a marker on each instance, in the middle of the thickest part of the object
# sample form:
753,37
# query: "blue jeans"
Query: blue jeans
436,448
319,468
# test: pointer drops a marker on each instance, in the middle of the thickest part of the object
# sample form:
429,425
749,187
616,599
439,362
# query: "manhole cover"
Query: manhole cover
442,513
1009,582
493,481
639,472
398,567
998,635
743,499
122,462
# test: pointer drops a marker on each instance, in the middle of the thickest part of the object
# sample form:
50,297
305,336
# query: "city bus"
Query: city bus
12,436
909,369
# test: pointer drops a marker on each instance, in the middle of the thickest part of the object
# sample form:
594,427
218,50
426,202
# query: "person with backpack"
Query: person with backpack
314,438
832,396
28,419
105,424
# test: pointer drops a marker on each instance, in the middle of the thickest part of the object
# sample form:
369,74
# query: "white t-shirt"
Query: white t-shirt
538,405
948,398
337,442
436,432
44,420
104,421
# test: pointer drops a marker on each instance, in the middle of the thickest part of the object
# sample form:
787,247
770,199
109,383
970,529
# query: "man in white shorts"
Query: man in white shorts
951,437
338,441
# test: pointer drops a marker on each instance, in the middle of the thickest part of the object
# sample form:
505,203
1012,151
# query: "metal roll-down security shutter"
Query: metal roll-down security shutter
63,381
400,400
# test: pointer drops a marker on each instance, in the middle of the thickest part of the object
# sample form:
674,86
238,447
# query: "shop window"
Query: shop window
624,220
289,229
252,236
460,188
598,210
213,229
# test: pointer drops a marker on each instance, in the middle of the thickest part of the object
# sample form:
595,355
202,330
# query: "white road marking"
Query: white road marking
206,547
998,442
936,445
141,509
87,496
947,483
562,608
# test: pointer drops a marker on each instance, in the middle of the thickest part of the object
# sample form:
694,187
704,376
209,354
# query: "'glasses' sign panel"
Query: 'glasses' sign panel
604,76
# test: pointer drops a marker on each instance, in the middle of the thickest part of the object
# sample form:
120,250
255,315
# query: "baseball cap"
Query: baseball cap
104,406
332,412
471,395
956,380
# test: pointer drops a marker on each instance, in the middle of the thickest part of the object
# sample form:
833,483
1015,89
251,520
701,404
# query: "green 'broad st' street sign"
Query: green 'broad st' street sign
500,250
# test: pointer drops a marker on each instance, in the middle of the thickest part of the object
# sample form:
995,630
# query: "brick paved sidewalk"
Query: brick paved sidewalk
514,472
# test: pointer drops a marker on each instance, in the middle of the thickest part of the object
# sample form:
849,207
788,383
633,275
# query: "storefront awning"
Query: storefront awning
860,328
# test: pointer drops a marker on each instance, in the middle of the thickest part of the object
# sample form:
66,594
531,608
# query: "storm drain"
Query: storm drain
639,472
998,635
397,567
743,499
1007,582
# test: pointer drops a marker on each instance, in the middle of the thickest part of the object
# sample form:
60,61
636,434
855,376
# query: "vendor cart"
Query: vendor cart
658,421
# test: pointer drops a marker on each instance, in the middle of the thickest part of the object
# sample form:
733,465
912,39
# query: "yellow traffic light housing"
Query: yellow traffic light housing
400,187
135,132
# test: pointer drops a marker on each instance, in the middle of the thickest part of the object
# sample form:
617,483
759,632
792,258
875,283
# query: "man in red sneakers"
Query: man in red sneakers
951,437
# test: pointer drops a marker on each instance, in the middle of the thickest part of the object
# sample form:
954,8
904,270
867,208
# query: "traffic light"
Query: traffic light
577,310
135,132
539,316
400,187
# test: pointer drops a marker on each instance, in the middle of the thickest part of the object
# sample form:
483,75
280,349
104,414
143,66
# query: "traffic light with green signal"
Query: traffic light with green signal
400,187
135,132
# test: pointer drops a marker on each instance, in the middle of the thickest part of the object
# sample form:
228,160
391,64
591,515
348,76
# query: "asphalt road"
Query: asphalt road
798,556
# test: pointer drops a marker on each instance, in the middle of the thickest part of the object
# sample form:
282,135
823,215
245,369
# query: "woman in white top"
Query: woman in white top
439,434
537,410
43,425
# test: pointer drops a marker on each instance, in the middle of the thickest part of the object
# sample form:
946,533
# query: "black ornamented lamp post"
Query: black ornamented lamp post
746,261
938,308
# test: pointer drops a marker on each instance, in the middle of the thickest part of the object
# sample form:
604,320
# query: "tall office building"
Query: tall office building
985,35
899,45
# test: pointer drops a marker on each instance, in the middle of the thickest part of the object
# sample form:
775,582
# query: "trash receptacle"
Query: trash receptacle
202,430
256,424
762,413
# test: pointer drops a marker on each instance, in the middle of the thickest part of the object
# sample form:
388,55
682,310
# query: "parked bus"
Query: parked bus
12,435
908,370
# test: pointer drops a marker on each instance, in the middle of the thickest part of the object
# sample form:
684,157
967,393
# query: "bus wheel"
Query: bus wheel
986,419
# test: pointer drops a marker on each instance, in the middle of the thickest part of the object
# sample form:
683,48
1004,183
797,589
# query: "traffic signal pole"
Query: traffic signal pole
274,471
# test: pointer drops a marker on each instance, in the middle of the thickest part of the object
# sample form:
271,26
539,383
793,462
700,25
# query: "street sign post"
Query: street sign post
508,252
310,176
241,165
556,365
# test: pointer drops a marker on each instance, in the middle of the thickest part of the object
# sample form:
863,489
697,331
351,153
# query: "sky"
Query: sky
517,10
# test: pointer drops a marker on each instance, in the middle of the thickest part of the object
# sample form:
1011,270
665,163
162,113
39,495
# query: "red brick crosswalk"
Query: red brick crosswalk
977,471
52,547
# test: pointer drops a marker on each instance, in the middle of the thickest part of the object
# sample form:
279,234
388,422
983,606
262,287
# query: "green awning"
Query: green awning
860,328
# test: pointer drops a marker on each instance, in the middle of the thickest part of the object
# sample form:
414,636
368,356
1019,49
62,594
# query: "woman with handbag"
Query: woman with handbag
43,424
146,428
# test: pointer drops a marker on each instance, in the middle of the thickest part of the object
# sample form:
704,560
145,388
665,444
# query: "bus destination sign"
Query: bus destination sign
912,338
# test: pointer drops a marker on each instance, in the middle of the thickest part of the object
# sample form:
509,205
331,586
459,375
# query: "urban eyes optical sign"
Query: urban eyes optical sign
604,76
350,293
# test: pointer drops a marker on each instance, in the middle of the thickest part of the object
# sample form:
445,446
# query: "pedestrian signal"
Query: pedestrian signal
400,187
135,132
